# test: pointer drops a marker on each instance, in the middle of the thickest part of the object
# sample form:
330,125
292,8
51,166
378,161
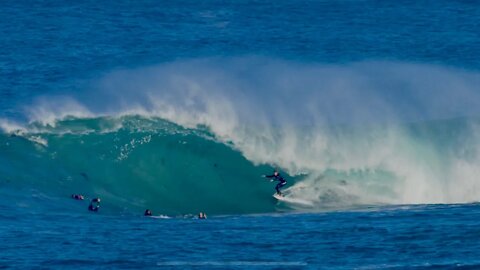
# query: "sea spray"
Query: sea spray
352,134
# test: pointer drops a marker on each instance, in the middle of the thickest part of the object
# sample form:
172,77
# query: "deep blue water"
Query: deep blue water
55,46
75,76
402,237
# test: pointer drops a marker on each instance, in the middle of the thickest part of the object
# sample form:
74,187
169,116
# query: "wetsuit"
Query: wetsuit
280,179
94,205
93,208
77,197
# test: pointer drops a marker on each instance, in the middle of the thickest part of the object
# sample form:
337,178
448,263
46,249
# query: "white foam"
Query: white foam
286,114
9,126
48,111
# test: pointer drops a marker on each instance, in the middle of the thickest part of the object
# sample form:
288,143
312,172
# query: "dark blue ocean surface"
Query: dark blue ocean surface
55,45
369,109
407,237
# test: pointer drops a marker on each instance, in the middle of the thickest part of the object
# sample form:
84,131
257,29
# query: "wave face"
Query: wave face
133,162
196,135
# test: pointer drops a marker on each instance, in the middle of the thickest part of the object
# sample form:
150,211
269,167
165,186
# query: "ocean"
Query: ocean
369,109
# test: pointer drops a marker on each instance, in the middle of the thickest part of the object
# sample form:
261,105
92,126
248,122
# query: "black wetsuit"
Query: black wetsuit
77,197
280,179
94,205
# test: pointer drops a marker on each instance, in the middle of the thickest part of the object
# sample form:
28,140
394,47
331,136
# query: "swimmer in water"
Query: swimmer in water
78,197
94,205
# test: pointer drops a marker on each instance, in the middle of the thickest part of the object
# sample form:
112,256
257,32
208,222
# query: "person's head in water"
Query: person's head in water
94,205
148,212
275,173
202,215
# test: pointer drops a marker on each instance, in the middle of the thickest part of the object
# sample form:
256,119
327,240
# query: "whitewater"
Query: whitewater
193,135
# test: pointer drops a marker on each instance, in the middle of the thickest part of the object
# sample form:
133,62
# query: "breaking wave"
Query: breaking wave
197,135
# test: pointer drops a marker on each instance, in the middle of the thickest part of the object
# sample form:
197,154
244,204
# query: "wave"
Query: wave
135,162
196,135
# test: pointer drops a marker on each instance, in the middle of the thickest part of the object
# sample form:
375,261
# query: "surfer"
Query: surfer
277,177
78,197
94,205
202,215
147,213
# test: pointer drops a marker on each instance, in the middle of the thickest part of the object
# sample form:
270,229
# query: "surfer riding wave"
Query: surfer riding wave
277,177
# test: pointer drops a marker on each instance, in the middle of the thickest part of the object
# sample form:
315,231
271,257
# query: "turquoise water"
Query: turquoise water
145,164
369,109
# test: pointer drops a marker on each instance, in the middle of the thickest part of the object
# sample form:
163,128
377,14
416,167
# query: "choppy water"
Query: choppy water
407,237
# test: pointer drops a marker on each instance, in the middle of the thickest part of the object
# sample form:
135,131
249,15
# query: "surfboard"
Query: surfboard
292,200
160,216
